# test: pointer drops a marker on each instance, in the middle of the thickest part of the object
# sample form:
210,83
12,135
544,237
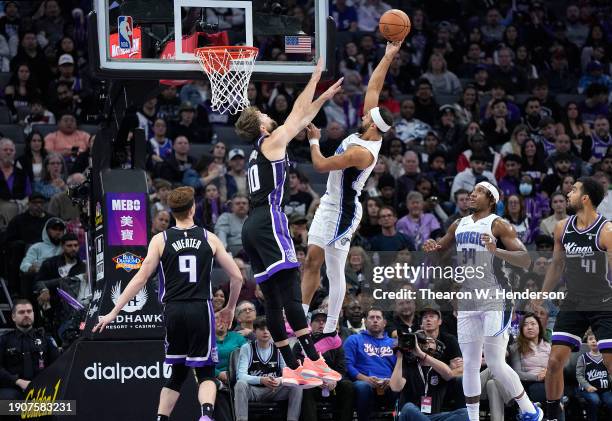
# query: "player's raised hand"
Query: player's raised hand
431,246
226,314
489,242
103,321
313,132
332,90
393,48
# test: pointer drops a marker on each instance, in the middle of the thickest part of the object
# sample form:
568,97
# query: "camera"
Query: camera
406,340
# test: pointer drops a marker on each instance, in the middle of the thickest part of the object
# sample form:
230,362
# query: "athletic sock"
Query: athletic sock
331,324
288,356
525,404
473,410
308,347
553,409
207,409
162,417
306,307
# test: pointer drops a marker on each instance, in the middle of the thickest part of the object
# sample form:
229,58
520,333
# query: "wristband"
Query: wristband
313,142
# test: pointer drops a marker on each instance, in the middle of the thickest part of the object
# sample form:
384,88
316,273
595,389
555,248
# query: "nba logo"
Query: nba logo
124,23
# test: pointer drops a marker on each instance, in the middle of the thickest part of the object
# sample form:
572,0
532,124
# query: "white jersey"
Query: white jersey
339,214
488,271
344,186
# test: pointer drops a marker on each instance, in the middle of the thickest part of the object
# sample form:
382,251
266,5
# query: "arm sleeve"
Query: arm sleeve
515,362
580,374
350,351
243,365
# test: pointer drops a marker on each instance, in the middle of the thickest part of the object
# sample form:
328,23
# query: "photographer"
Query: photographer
422,379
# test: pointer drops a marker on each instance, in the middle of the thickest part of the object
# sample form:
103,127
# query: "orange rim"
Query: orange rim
228,52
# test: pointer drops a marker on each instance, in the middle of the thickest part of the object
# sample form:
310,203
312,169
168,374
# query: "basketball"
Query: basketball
394,25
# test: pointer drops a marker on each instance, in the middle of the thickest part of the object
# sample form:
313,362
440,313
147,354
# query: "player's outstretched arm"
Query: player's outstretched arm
355,156
149,265
229,266
296,122
377,80
515,253
443,243
555,269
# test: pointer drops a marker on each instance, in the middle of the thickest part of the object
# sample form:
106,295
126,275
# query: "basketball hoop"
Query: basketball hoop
229,70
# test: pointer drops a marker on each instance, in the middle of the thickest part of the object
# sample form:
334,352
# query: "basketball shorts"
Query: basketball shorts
333,227
472,326
268,243
190,333
571,325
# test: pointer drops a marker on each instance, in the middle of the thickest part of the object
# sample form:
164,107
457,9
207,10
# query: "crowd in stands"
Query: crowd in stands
517,93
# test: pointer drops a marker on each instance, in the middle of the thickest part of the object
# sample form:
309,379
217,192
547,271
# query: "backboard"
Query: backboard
140,38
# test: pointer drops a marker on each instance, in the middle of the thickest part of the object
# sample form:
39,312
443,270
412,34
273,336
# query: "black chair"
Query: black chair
13,132
276,410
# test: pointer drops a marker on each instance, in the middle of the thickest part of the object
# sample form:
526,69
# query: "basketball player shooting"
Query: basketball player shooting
339,213
476,237
582,256
265,233
183,256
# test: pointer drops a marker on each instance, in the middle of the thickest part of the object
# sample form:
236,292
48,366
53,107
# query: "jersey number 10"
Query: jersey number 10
253,177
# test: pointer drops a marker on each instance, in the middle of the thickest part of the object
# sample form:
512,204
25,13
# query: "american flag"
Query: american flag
294,44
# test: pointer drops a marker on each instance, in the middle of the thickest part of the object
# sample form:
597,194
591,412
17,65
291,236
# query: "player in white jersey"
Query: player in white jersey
339,213
484,323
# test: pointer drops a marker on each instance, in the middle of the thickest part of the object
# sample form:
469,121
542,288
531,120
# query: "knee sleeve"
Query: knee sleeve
203,374
472,352
335,260
177,378
495,356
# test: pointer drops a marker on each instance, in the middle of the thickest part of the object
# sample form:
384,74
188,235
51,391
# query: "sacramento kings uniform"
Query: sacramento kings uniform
265,233
339,213
264,368
587,278
481,316
595,371
185,291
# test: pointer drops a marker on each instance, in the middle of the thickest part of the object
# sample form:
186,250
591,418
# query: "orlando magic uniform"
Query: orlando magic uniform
185,291
589,293
483,315
265,233
339,213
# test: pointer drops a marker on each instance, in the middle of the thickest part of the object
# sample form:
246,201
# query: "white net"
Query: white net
229,70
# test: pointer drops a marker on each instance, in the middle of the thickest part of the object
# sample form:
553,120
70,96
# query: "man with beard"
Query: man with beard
24,352
35,256
265,234
487,241
339,214
601,139
581,257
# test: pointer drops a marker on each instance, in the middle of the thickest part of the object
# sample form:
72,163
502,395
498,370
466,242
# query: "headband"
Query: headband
491,189
378,120
183,208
